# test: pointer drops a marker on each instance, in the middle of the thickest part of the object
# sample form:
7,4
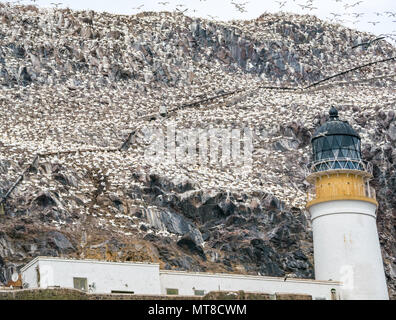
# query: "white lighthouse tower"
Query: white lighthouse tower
343,213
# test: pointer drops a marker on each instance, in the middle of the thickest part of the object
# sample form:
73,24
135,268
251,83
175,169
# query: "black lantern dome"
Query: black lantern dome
336,145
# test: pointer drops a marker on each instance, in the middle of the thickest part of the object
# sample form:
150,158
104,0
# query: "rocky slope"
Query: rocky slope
75,85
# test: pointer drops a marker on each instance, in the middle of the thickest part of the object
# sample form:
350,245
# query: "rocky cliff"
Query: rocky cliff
82,90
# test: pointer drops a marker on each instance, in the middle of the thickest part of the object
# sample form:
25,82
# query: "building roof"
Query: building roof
334,126
43,258
247,276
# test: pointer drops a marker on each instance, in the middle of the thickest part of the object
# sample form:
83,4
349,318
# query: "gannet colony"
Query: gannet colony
81,89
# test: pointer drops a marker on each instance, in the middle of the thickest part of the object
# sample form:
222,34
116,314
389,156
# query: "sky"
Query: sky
379,16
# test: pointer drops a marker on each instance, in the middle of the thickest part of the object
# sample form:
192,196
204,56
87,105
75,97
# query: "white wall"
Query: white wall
107,276
185,282
347,249
29,274
149,279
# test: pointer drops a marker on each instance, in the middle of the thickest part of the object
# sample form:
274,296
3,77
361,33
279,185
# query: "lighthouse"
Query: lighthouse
342,207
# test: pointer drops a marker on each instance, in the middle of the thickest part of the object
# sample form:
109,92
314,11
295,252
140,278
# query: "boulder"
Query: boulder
187,242
59,242
392,131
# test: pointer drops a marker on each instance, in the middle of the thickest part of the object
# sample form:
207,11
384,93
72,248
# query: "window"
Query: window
333,294
122,292
172,292
199,292
80,283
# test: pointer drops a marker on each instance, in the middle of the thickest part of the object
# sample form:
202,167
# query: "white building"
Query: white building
343,213
95,276
187,283
92,275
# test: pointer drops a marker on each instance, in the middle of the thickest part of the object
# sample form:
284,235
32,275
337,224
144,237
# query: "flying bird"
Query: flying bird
182,11
212,17
335,14
356,4
240,6
303,6
281,3
56,4
357,15
139,7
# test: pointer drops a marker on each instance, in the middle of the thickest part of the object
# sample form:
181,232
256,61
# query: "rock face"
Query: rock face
87,90
197,232
288,49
